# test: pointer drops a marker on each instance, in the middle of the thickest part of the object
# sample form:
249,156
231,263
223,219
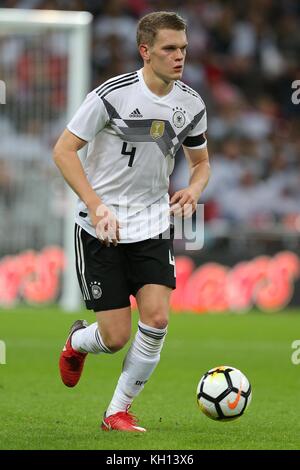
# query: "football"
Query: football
224,393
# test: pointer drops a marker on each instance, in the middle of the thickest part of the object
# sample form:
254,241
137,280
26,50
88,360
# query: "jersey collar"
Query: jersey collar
149,93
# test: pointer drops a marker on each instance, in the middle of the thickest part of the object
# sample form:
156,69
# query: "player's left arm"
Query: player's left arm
199,166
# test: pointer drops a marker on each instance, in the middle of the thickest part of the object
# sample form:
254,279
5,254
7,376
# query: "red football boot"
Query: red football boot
71,362
121,421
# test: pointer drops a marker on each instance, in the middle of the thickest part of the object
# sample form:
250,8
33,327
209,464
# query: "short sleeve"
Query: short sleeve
90,118
196,138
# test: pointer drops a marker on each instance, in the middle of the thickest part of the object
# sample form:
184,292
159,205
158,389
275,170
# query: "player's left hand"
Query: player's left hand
183,203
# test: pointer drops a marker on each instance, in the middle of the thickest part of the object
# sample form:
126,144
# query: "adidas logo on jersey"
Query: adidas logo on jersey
136,113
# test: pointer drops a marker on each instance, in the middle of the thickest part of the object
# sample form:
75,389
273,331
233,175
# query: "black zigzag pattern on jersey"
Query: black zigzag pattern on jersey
139,131
147,123
111,110
142,128
132,130
184,133
120,83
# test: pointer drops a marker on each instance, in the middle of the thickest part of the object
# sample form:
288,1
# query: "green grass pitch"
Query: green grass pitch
38,412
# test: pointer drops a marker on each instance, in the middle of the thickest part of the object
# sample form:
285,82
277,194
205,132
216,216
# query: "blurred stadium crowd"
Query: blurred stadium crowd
242,58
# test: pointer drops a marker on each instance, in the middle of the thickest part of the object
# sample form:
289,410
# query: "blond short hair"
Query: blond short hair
150,24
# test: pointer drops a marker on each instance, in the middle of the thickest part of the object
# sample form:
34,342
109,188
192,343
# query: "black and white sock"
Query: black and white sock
140,361
89,340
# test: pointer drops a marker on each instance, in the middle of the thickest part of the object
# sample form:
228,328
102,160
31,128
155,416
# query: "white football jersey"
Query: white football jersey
133,136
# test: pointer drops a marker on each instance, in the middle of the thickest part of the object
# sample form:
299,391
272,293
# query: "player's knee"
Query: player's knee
157,320
115,343
160,323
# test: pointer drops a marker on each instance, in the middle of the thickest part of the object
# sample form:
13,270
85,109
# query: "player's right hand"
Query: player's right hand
106,225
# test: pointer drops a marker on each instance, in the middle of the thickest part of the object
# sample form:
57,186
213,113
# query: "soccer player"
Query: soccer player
133,124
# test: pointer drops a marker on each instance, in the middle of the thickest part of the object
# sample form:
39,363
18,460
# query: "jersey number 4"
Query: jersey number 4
130,153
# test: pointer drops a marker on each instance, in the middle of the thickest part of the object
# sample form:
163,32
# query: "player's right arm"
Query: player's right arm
67,160
88,120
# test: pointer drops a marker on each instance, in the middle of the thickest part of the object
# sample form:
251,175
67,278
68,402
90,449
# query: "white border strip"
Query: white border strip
25,19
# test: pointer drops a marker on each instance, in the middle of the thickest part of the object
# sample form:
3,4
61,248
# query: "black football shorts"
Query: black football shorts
109,275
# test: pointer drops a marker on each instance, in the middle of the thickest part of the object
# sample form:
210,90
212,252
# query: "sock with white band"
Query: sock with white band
140,361
88,340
